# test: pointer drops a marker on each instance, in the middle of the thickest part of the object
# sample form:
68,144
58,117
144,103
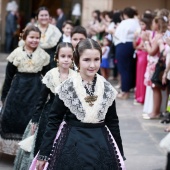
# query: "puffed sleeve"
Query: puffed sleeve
46,58
14,57
40,104
55,118
45,69
10,72
112,123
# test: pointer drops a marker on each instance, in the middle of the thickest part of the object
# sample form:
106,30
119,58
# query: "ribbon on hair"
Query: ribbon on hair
165,18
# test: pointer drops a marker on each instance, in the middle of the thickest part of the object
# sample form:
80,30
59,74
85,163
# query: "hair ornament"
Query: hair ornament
165,18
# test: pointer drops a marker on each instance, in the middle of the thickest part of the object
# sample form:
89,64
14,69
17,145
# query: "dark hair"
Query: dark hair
109,14
147,22
162,23
98,14
69,22
62,45
149,16
83,45
28,29
43,8
79,30
117,17
129,12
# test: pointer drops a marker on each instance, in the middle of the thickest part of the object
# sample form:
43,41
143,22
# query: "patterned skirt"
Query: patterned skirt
82,146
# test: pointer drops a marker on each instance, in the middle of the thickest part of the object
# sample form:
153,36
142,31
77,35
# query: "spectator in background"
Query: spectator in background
11,25
32,22
53,21
60,19
124,36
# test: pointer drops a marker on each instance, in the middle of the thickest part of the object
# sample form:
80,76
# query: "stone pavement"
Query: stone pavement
140,137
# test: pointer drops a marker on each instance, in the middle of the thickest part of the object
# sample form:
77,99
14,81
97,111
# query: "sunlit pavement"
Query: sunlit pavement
140,137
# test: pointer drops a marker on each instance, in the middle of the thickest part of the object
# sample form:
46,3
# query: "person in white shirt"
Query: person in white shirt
123,38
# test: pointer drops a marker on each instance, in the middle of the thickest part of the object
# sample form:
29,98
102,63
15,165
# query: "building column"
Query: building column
88,6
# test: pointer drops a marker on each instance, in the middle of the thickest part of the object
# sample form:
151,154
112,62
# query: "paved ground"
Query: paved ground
140,137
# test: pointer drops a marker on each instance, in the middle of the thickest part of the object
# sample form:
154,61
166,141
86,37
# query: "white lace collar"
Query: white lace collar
72,92
52,78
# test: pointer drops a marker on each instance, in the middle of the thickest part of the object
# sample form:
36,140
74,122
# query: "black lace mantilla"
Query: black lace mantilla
68,94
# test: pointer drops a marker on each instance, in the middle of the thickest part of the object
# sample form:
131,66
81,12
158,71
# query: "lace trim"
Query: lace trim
58,147
42,158
73,93
67,93
51,79
19,58
52,36
112,148
108,98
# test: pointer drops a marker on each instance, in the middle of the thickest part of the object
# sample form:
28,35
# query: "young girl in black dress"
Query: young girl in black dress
83,116
24,70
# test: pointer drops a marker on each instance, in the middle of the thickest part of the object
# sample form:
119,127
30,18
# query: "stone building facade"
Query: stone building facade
28,7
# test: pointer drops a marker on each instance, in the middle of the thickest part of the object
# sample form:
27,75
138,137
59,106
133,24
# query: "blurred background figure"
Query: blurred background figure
11,25
32,22
60,18
76,13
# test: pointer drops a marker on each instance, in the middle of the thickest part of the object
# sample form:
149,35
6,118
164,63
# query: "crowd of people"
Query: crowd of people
139,46
56,101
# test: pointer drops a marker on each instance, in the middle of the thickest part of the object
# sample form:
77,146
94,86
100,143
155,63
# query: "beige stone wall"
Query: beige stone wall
141,5
91,5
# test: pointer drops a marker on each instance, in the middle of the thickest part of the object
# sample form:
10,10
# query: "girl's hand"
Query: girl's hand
40,165
168,40
33,128
164,78
145,35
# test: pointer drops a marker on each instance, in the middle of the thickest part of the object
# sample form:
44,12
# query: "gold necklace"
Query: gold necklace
91,98
43,33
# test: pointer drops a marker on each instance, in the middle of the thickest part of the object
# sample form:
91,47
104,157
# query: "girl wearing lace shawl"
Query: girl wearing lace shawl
24,70
54,77
89,137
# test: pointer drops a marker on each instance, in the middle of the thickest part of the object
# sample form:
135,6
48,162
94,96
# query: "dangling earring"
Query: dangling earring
72,65
78,69
57,63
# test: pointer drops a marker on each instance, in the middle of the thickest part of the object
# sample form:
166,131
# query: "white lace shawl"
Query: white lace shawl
52,78
52,36
20,59
72,92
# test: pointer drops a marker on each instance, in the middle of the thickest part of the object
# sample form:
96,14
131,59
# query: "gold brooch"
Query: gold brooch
90,100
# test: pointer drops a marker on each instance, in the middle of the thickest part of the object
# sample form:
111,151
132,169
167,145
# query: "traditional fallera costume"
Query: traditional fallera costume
88,135
50,81
49,40
19,94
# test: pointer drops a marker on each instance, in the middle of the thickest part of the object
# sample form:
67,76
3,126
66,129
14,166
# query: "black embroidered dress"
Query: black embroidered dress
40,117
19,94
86,139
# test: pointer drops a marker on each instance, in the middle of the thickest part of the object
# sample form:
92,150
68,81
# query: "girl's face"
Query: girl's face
76,38
105,42
43,17
67,29
32,40
65,57
89,63
143,26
